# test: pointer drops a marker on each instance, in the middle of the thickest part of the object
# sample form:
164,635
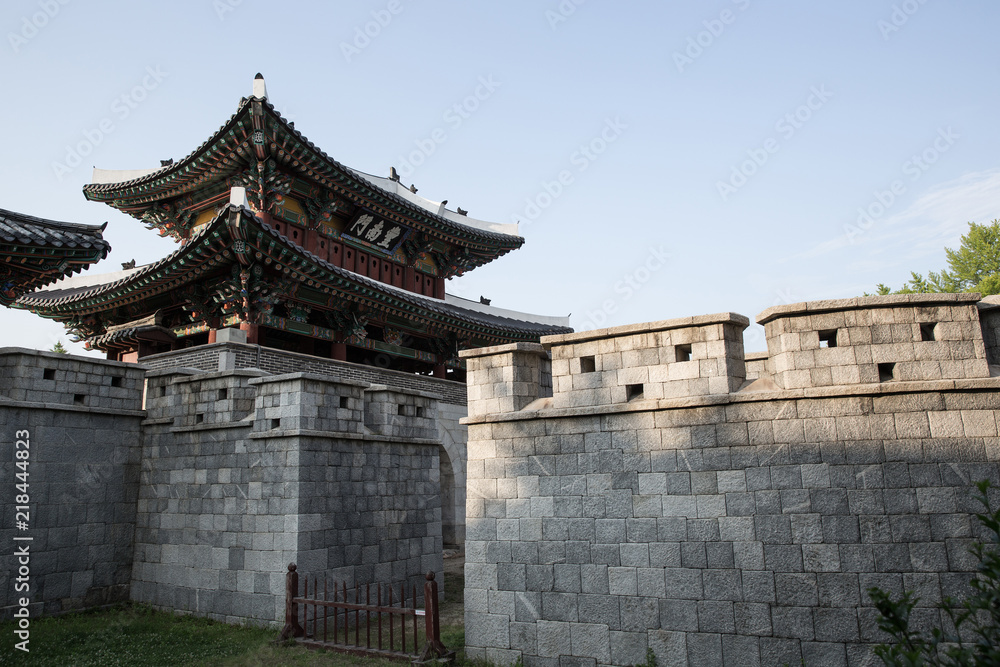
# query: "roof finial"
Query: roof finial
393,176
259,88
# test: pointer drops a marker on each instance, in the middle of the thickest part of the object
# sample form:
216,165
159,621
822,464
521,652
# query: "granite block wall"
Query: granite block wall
689,356
896,337
451,401
989,318
82,418
235,355
245,472
453,436
735,528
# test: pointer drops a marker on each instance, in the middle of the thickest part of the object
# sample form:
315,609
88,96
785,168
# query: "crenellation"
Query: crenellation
741,521
198,502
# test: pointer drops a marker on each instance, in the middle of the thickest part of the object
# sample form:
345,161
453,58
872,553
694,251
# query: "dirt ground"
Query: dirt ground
453,609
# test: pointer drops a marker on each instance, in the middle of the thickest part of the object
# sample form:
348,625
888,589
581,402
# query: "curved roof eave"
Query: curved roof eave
444,309
134,178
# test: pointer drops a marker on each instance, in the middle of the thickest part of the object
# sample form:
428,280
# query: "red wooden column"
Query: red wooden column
307,346
440,371
339,351
253,332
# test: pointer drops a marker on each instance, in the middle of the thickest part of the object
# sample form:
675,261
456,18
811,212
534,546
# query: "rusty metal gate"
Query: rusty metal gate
387,627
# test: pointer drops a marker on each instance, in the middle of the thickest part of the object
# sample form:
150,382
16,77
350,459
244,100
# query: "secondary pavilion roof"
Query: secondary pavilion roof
258,148
215,247
35,252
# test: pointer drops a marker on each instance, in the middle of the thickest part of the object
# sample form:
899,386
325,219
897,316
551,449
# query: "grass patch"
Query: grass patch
138,636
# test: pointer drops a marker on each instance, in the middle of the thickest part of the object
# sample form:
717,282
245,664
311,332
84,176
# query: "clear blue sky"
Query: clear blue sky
730,144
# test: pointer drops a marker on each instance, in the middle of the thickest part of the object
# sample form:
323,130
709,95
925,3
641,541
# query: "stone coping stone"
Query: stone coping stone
285,353
646,327
244,423
744,396
989,302
211,375
386,389
62,407
864,302
177,370
96,361
755,356
502,349
316,377
340,435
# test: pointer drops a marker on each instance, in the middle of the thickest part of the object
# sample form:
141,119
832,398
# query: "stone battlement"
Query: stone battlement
842,343
191,489
676,494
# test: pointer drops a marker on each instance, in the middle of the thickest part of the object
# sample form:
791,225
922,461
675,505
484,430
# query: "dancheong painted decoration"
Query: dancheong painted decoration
300,252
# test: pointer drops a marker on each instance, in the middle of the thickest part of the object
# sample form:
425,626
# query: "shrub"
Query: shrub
975,639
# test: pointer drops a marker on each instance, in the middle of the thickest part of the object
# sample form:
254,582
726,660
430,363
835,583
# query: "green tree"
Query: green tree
974,267
58,348
975,640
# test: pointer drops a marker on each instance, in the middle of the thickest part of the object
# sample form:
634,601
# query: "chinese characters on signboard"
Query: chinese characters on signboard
380,233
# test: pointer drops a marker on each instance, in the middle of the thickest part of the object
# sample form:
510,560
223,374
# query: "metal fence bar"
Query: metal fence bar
383,606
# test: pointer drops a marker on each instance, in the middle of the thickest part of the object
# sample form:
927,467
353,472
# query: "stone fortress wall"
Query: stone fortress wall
721,508
231,352
192,489
84,426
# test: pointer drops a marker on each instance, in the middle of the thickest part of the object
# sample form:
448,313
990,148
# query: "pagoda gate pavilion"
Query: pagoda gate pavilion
298,251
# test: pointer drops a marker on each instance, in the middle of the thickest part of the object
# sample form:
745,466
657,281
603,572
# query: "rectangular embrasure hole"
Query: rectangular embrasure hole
79,399
682,353
275,423
223,394
927,330
343,401
199,418
633,391
886,372
49,374
161,391
828,338
587,365
401,410
420,411
116,381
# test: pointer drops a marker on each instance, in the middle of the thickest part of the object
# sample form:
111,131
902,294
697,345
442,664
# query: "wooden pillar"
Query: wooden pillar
439,287
211,336
440,371
339,351
253,332
307,346
409,279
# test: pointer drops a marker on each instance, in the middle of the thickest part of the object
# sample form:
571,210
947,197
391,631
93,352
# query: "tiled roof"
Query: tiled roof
58,300
35,252
27,230
188,173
